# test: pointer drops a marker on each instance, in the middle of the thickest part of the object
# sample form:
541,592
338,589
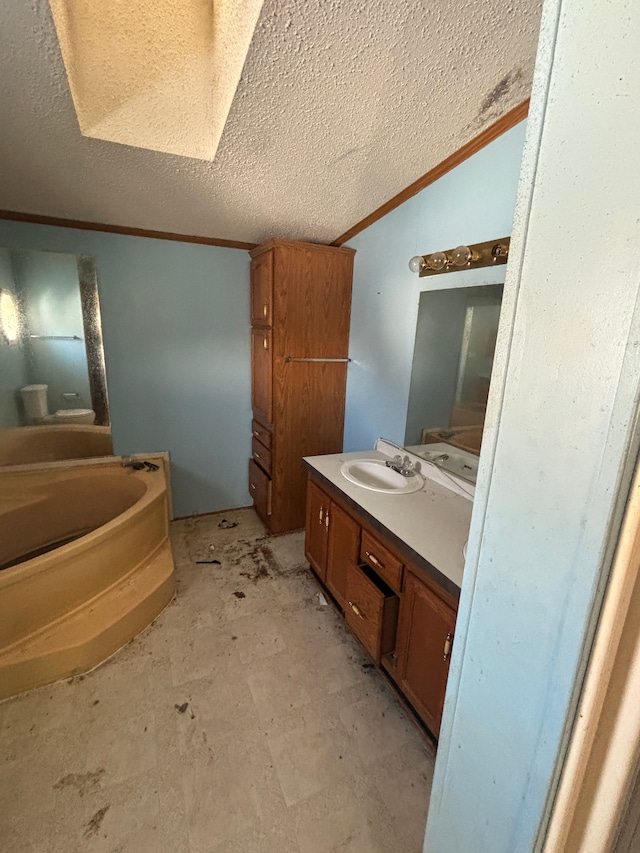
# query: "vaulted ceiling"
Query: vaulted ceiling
341,105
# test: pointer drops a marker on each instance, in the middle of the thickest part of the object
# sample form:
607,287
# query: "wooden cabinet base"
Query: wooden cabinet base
402,619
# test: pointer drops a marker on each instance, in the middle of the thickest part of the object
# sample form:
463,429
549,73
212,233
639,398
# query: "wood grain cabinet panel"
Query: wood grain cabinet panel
261,374
316,535
262,290
261,455
342,551
261,433
332,541
300,312
425,637
381,560
372,611
260,489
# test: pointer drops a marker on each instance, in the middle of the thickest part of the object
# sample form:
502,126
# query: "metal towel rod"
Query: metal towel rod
55,337
288,358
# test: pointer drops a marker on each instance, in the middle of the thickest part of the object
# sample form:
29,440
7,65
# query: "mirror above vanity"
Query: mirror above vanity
53,393
452,362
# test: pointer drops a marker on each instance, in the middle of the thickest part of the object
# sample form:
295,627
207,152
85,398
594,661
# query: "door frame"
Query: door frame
604,749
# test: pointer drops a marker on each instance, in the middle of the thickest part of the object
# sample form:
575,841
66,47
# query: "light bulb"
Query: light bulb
9,317
461,256
416,263
500,251
437,261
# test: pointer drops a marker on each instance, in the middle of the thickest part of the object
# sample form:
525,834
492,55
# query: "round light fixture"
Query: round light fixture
437,261
461,256
416,264
9,316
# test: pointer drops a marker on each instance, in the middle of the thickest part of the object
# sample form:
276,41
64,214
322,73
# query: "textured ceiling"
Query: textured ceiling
342,104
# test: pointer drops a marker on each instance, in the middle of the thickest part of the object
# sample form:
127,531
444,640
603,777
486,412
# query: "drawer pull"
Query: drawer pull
256,455
264,310
326,520
256,433
356,610
447,645
264,343
321,512
374,560
252,487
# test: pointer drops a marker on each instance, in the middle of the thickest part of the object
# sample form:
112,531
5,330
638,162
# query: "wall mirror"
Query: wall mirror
53,392
452,362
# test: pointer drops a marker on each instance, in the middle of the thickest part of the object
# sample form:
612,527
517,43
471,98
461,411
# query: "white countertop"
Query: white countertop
433,522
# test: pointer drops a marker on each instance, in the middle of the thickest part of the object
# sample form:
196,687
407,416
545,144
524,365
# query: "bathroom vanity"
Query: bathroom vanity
393,565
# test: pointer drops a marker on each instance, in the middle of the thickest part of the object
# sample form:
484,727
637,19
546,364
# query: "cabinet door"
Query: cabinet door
261,374
342,550
425,634
316,534
262,290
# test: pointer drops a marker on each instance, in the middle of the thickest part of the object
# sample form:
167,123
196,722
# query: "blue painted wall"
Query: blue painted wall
560,444
474,202
175,321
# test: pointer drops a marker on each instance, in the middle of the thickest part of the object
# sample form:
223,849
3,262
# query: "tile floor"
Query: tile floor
244,720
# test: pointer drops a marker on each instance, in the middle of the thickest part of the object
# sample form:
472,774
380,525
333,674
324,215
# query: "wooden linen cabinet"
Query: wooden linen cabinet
300,313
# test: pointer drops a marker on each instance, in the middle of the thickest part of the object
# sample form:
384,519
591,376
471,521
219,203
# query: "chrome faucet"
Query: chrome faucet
130,462
401,466
138,464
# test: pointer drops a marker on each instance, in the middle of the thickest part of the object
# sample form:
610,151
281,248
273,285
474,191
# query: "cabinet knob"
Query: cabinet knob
356,609
252,487
326,520
447,646
372,558
256,455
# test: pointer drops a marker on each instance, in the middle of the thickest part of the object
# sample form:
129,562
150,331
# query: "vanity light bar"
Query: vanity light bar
487,254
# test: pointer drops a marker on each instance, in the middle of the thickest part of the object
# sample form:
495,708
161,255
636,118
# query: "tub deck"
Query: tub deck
51,443
67,610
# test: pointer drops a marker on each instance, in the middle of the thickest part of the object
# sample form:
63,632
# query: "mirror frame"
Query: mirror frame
92,322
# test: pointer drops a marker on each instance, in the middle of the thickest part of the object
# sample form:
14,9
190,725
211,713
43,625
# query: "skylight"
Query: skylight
156,74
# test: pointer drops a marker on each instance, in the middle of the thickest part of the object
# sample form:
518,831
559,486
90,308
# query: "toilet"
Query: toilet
36,408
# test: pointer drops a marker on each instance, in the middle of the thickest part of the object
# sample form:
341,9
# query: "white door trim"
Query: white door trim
605,742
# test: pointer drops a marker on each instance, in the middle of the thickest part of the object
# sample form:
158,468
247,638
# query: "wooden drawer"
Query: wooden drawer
381,560
260,488
262,455
262,433
371,611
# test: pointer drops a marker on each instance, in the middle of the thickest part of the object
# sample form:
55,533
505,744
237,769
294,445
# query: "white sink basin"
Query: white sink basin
373,474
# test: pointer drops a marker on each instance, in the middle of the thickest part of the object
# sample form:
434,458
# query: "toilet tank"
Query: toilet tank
34,398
